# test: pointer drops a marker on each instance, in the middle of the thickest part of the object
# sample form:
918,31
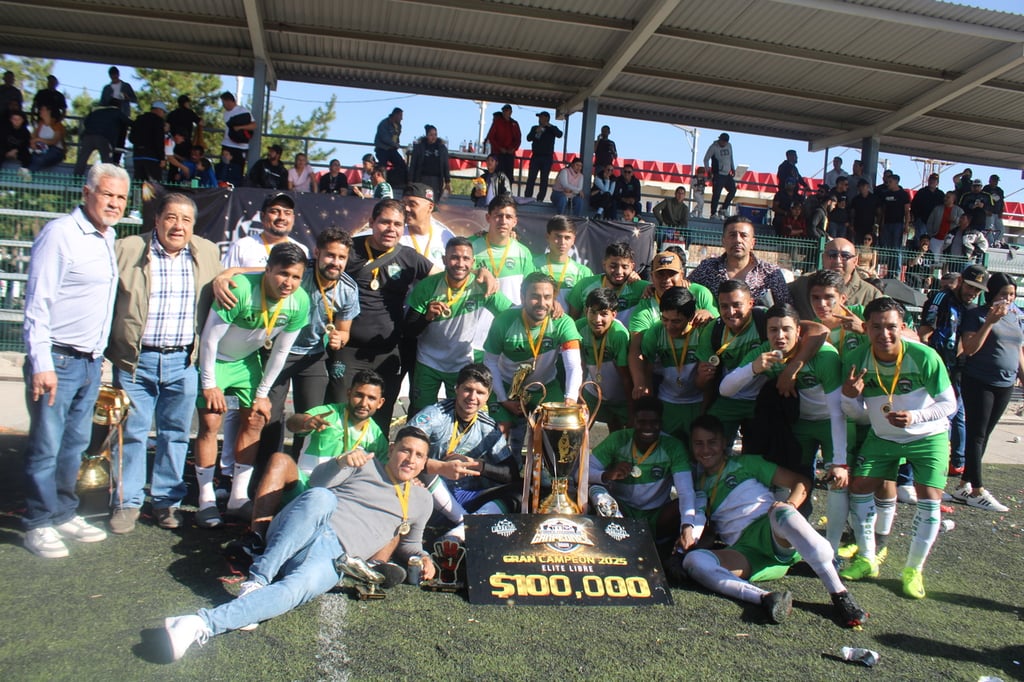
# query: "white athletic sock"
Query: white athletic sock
207,495
863,509
703,567
886,512
229,427
444,502
790,524
926,529
838,508
240,486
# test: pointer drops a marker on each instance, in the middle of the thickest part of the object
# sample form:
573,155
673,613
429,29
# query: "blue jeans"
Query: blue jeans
58,435
163,386
301,547
561,203
891,237
957,433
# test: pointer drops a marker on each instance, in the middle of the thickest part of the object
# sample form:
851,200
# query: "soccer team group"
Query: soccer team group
680,370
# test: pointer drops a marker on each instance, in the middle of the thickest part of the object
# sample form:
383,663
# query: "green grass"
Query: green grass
84,618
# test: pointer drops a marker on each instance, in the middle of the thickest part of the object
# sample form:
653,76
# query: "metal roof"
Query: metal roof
926,77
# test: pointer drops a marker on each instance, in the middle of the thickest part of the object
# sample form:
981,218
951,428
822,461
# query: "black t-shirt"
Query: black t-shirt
382,311
893,203
863,209
333,184
182,122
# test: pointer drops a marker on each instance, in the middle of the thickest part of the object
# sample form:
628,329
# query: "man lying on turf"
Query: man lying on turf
764,537
356,508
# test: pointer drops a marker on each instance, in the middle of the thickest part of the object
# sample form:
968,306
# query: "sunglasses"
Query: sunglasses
845,255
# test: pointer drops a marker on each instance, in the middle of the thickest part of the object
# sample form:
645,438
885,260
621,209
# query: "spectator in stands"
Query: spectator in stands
102,130
793,223
921,264
147,140
941,221
854,180
863,212
228,174
300,178
839,216
69,299
47,143
839,256
429,164
386,146
181,166
924,202
238,128
721,164
204,171
118,93
977,204
602,193
894,218
673,211
568,188
962,183
818,225
788,170
543,136
994,229
605,153
886,174
493,183
832,177
269,172
50,97
505,138
365,188
382,189
697,184
15,139
782,203
183,121
765,280
867,257
333,181
10,96
627,189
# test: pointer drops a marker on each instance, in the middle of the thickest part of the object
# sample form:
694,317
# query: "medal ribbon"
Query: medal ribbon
606,285
455,294
535,349
647,453
729,337
490,256
599,350
269,321
681,360
370,258
714,489
561,278
344,431
896,377
426,247
458,435
328,308
402,493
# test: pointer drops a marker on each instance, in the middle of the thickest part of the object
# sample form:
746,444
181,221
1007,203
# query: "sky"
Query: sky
359,111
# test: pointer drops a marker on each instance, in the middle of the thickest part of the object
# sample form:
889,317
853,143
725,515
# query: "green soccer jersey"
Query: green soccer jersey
652,488
647,312
510,340
509,264
737,495
447,343
818,377
731,349
248,333
336,439
844,340
677,383
614,350
629,295
566,275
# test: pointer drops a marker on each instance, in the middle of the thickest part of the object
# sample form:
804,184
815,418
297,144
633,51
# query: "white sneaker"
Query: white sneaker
906,494
183,632
984,500
248,587
79,529
45,542
959,494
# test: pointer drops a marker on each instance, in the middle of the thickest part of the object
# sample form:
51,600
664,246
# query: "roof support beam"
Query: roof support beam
254,19
999,63
656,13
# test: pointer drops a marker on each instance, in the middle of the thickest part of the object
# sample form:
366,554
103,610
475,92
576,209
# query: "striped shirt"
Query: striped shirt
172,298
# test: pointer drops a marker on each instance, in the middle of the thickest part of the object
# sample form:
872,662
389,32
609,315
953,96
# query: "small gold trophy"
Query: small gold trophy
558,441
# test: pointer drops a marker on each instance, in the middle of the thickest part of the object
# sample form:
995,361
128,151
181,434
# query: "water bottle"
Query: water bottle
865,656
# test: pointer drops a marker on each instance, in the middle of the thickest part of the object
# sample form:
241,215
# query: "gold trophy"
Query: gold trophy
108,413
558,441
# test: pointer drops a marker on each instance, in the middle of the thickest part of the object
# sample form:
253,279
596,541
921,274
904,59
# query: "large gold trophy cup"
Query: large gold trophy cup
558,440
108,415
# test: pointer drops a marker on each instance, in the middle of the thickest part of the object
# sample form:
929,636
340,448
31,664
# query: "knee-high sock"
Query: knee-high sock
886,512
444,502
838,508
863,508
703,567
207,495
926,528
789,524
240,485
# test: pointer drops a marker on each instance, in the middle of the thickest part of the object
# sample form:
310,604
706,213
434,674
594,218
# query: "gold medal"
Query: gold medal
268,343
374,284
404,528
597,377
635,472
887,408
330,328
778,353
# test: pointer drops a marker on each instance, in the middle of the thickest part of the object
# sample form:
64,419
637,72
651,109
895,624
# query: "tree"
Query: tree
315,125
29,74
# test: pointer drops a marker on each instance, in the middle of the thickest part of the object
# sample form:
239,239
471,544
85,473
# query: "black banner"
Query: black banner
551,559
225,215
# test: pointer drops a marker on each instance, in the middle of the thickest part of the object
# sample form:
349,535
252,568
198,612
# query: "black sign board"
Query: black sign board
553,559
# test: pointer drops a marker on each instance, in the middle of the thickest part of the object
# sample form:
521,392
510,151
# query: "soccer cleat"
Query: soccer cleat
357,568
847,612
848,551
778,605
881,555
79,529
985,500
859,569
248,587
183,632
45,542
913,583
961,492
392,572
208,517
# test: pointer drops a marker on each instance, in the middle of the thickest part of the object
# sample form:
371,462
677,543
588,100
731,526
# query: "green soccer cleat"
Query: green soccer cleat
859,569
913,583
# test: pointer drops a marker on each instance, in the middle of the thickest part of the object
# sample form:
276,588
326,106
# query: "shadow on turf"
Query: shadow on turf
1002,659
154,647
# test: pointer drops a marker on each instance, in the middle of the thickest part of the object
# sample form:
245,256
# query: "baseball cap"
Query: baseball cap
278,198
666,260
976,276
158,105
507,106
418,189
724,137
544,113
